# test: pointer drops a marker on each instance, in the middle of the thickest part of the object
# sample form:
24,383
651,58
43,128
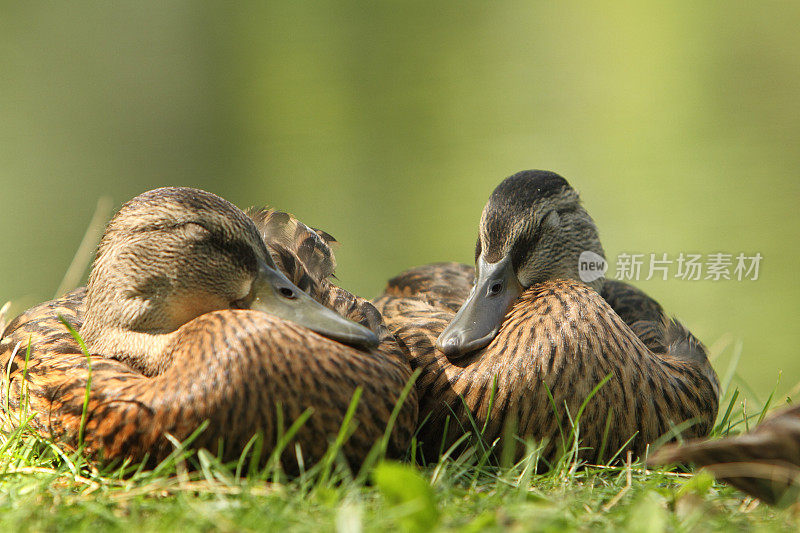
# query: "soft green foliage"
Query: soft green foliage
408,495
43,489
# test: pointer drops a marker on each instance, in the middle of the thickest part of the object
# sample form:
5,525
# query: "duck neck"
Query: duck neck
587,257
582,262
132,326
146,352
117,328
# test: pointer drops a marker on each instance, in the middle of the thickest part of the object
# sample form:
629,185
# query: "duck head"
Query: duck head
173,254
533,229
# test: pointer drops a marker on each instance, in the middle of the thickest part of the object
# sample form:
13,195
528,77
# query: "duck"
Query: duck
764,463
187,324
524,346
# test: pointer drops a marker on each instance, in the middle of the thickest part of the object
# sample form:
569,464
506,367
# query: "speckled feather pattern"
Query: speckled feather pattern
562,336
233,368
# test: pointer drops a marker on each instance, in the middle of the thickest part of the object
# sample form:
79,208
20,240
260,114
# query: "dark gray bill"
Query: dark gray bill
479,319
273,293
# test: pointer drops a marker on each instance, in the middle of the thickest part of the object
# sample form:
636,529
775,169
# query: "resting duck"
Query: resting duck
764,463
187,320
527,341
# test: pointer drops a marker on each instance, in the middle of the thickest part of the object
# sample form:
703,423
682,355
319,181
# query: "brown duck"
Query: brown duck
764,463
188,320
526,341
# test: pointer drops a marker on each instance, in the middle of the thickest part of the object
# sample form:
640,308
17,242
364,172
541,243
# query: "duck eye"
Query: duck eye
495,288
193,230
286,292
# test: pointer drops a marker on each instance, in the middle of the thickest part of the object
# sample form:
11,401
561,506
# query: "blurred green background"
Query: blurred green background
389,123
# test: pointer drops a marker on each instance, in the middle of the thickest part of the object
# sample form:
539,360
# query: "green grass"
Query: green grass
44,487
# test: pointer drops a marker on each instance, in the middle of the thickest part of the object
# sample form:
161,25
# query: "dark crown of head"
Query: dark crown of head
529,186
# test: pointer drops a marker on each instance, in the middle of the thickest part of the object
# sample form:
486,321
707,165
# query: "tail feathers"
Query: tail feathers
286,236
764,463
681,345
647,319
672,340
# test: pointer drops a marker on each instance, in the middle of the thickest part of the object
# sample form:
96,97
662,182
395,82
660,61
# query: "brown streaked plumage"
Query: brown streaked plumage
231,366
304,253
764,463
306,256
556,333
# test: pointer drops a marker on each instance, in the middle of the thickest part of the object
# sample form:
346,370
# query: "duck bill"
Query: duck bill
273,293
479,319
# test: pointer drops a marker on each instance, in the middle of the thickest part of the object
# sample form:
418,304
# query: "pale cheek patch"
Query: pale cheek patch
244,291
182,309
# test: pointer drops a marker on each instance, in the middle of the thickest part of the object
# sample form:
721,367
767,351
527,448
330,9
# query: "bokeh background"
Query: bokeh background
389,123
